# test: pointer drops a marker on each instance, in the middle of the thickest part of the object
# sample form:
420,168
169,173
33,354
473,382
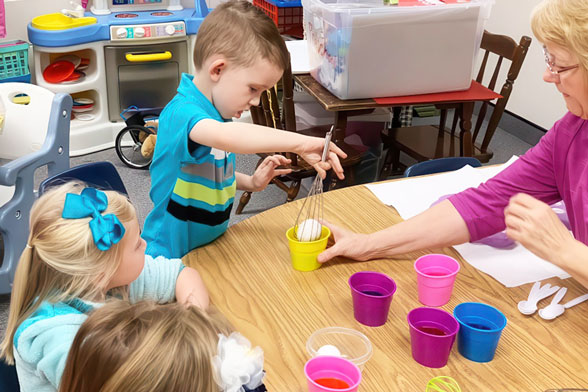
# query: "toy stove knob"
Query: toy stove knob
139,32
170,29
121,33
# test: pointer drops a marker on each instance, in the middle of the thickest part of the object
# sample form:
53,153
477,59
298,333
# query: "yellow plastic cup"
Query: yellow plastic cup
304,253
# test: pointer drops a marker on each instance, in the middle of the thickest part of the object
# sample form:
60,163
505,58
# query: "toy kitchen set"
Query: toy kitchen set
118,54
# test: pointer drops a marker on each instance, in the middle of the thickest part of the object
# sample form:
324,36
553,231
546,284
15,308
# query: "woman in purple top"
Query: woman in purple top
518,198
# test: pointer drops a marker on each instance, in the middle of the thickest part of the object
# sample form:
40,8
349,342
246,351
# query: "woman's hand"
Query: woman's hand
534,224
312,152
347,244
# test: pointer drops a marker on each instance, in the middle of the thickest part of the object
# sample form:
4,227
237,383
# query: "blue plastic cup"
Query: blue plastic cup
480,329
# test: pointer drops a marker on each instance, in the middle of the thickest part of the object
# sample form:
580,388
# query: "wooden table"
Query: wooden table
250,278
462,101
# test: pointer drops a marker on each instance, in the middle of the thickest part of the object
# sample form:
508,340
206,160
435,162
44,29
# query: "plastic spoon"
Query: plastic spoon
537,293
552,311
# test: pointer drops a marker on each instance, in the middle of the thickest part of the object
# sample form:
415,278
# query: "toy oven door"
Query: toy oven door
145,76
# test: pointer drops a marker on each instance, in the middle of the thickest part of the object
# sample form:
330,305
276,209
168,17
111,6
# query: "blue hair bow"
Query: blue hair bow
106,229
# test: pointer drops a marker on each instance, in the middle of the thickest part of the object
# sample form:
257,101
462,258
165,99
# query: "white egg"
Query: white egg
309,230
330,350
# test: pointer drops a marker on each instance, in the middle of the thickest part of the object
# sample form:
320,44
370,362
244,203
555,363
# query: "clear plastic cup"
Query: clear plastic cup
351,344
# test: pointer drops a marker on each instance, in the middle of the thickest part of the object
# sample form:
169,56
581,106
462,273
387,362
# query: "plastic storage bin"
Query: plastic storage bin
14,62
287,15
363,49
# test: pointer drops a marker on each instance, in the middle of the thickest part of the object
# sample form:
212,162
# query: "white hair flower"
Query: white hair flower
237,364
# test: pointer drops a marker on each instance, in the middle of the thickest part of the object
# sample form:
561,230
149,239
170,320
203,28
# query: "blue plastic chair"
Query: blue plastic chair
19,172
101,175
440,165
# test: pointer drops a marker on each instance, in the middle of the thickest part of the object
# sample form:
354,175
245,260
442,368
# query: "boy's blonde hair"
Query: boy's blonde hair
61,260
243,34
564,23
144,347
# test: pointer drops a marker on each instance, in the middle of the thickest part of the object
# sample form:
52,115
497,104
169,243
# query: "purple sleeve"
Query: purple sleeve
482,208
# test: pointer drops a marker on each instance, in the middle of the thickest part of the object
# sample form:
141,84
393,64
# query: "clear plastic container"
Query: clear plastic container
351,344
364,49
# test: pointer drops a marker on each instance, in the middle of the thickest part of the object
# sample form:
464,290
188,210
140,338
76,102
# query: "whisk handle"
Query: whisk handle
328,137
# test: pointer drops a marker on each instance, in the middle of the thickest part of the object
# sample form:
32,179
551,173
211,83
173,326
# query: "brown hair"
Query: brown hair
62,261
564,23
144,347
242,33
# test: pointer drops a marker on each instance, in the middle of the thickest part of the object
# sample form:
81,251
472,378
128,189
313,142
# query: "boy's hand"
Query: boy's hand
267,170
312,152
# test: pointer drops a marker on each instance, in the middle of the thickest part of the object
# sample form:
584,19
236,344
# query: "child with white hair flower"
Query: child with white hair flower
160,348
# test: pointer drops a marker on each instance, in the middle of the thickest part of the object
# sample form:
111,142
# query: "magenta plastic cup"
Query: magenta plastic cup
329,374
372,294
432,334
435,278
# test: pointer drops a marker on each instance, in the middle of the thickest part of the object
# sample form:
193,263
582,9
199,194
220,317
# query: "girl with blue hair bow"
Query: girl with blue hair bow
84,246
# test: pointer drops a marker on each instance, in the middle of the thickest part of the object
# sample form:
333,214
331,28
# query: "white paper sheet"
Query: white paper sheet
512,267
299,56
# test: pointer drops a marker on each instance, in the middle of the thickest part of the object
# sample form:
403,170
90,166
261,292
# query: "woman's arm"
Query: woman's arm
438,227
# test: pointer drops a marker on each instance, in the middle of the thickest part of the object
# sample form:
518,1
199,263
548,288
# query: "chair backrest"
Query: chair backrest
440,165
505,48
53,152
101,175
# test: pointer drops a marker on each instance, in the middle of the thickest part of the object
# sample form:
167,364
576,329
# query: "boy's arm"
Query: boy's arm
246,138
264,173
244,182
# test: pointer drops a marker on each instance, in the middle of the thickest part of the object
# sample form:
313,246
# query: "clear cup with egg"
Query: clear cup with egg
340,342
307,241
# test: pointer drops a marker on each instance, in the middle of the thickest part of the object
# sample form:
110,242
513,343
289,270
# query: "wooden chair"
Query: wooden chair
268,114
429,142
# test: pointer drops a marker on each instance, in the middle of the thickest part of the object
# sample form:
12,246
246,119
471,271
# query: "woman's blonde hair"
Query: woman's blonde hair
564,23
61,261
144,347
242,33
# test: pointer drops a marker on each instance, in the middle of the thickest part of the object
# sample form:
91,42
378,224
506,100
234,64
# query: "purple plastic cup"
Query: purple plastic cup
372,294
326,373
435,277
432,334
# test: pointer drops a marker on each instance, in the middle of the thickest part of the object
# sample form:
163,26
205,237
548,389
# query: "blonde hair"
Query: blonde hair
242,33
144,347
564,23
63,261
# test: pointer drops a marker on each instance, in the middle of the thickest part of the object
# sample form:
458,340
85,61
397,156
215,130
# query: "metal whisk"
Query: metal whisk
311,211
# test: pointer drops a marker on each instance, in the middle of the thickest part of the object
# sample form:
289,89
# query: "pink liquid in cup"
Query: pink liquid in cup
435,278
328,374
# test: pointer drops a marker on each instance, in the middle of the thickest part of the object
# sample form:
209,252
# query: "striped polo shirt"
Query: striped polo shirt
192,186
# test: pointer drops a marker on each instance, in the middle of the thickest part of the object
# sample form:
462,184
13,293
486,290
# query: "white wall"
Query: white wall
532,98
